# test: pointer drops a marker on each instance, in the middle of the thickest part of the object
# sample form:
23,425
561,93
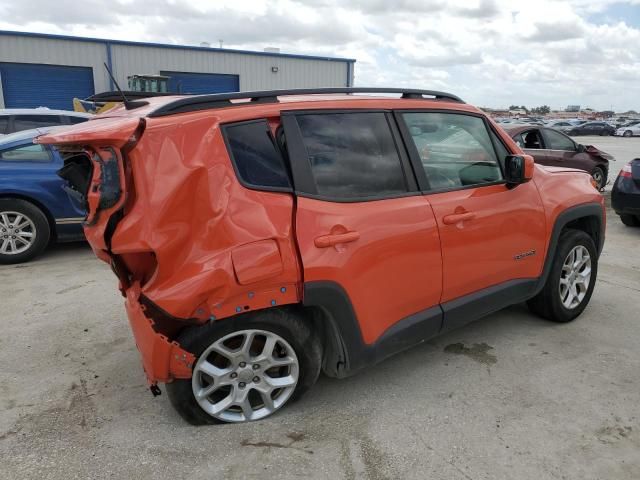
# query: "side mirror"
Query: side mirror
518,169
581,148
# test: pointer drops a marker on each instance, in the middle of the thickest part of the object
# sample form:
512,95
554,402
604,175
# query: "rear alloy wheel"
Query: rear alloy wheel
247,367
630,220
24,231
598,176
571,280
246,375
627,133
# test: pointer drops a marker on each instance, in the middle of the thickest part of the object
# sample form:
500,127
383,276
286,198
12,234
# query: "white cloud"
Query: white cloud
491,52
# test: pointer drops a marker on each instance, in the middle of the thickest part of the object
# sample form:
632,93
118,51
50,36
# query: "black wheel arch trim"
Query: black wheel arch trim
586,210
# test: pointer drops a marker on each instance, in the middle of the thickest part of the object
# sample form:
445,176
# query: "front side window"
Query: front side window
352,155
27,122
255,155
25,153
4,125
557,141
455,150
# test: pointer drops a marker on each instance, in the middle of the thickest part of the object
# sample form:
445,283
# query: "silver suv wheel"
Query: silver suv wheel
575,277
246,375
17,233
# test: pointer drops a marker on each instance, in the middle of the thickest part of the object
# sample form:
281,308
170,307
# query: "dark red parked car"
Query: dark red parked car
553,148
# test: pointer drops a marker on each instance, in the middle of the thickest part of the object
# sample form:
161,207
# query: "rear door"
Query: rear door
361,224
492,236
563,151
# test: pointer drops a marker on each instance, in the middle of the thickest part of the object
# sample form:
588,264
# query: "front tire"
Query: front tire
571,280
630,220
24,231
248,367
627,133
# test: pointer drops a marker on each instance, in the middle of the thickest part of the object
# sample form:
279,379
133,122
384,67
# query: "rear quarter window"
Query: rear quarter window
27,122
256,157
4,125
25,153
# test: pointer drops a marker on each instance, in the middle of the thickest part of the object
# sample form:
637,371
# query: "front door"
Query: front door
360,221
491,235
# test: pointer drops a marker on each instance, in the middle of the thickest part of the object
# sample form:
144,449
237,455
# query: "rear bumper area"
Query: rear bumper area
625,197
162,360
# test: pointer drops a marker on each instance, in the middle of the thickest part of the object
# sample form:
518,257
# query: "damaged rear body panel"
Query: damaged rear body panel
188,243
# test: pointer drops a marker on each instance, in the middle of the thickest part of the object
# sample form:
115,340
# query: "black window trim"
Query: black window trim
261,188
304,181
414,155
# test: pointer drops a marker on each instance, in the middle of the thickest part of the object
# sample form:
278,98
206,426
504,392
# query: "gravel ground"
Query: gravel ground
508,397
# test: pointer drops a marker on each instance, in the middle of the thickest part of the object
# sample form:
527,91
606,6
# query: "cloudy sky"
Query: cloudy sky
492,53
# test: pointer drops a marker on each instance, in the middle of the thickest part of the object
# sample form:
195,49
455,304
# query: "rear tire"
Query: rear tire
551,303
630,220
24,231
599,176
284,324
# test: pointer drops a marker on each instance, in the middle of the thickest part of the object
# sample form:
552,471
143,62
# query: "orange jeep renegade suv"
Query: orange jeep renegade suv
262,237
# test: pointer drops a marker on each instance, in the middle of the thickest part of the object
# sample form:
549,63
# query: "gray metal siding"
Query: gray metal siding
254,70
55,52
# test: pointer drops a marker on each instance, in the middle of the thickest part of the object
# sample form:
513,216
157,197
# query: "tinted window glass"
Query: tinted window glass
557,141
25,153
352,155
4,124
256,157
455,150
26,122
74,120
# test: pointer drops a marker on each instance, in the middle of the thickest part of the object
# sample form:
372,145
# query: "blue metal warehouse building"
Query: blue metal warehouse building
41,70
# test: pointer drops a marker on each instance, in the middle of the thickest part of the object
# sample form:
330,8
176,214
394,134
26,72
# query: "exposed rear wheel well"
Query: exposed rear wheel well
323,326
43,209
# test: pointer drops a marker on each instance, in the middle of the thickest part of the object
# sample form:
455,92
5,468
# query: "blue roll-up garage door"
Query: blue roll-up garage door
184,82
28,85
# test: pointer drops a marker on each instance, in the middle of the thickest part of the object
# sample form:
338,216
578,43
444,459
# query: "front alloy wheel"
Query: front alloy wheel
246,375
17,233
575,277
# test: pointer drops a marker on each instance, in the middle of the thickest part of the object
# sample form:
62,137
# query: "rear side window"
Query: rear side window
25,153
26,122
352,155
256,157
4,125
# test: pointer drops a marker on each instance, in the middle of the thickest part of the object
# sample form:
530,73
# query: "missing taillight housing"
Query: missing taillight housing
77,171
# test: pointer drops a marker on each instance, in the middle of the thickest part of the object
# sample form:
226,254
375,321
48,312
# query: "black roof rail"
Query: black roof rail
221,100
